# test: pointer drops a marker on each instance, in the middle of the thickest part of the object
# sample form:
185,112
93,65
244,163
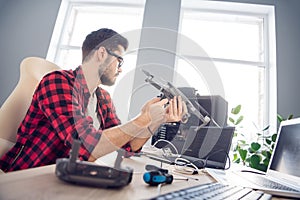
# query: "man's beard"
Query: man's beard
104,78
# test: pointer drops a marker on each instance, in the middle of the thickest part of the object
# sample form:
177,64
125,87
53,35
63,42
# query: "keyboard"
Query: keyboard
266,183
215,191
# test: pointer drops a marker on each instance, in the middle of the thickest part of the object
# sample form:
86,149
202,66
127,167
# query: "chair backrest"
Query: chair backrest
14,109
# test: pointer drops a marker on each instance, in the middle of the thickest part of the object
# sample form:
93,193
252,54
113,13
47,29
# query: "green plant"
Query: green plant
257,152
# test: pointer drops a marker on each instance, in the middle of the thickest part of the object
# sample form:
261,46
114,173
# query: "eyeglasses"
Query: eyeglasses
120,59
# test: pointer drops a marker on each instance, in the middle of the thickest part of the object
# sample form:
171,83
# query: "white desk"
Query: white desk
42,183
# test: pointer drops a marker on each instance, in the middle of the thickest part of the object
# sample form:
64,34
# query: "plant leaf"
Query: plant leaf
250,150
268,141
243,153
236,110
264,153
255,146
260,167
239,120
255,160
266,161
247,160
242,141
266,128
231,120
279,118
274,136
235,157
267,154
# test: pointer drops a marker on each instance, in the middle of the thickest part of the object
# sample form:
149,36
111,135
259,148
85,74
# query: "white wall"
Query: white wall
288,56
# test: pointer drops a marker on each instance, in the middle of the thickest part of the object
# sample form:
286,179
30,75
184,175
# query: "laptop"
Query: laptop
282,177
205,147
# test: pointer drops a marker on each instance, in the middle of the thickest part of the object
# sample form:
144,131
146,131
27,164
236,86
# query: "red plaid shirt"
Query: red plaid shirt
56,116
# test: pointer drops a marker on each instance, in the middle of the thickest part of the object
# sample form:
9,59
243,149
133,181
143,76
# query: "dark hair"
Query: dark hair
105,37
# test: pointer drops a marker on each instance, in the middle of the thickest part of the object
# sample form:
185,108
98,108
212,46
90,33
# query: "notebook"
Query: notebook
283,174
204,147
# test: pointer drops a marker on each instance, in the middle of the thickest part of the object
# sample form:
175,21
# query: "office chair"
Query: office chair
13,110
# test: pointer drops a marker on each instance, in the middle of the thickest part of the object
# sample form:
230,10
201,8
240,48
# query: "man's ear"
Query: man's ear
101,53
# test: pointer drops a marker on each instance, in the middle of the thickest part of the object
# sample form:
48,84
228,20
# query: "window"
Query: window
77,18
235,43
238,40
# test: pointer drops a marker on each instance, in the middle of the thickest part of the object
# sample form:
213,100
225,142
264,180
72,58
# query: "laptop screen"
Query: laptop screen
286,157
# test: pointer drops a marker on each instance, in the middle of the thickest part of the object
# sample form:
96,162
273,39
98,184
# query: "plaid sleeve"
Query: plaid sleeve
59,101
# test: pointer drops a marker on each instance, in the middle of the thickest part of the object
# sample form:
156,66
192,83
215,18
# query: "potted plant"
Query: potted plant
257,152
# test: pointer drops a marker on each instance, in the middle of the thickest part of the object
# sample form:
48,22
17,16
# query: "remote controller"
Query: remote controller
87,173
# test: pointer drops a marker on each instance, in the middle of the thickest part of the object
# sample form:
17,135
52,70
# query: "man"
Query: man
71,105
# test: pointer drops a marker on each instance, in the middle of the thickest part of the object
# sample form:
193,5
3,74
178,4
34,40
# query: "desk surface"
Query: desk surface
42,183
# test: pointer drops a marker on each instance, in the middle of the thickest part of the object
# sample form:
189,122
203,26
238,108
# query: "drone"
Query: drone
169,91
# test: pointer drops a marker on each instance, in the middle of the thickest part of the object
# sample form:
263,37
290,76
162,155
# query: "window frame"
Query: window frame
64,15
267,13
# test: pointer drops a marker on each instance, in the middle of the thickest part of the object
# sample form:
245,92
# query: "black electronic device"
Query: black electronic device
216,106
205,147
91,174
210,145
166,132
212,105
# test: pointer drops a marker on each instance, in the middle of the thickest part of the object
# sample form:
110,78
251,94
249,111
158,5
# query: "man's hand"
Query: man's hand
156,111
152,112
175,110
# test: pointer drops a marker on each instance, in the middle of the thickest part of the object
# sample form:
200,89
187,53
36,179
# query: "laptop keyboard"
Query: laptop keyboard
215,191
269,183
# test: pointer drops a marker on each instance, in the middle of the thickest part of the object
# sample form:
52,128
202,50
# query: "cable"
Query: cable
212,153
162,140
186,168
189,167
159,189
